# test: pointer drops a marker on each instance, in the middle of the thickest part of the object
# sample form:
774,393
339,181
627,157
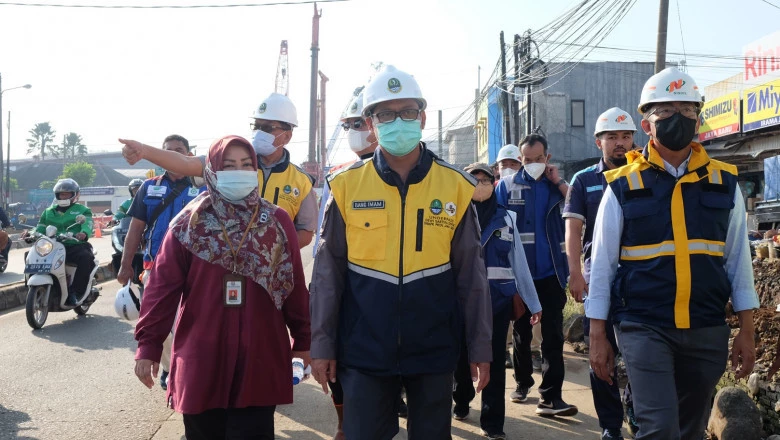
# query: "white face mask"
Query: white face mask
263,142
535,170
506,172
234,185
62,203
358,140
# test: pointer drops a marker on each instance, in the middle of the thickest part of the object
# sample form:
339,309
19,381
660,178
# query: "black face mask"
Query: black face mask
675,132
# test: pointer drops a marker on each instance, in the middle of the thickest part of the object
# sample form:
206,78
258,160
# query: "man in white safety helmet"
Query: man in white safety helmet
399,257
280,182
669,251
508,160
614,137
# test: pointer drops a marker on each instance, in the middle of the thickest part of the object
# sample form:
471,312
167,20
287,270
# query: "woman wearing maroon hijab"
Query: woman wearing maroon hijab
230,267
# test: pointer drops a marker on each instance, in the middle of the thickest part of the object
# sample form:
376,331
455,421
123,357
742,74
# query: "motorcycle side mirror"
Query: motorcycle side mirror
80,219
108,212
51,231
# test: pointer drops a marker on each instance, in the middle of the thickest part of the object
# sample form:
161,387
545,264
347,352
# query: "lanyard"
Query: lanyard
240,243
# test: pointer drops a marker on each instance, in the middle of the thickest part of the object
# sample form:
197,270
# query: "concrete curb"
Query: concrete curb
15,294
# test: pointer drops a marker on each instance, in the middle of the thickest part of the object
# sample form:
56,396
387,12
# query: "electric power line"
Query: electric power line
235,5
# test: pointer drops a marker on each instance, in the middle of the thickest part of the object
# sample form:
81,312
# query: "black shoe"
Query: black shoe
519,395
164,380
555,408
611,434
508,360
403,410
494,435
460,412
72,300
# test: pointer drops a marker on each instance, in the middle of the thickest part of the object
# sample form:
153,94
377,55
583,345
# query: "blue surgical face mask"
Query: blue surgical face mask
399,137
263,142
234,185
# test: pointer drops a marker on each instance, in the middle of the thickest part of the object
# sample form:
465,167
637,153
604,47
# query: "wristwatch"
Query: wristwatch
561,181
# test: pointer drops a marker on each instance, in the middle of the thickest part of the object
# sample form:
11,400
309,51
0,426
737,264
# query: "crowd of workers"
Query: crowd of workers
421,271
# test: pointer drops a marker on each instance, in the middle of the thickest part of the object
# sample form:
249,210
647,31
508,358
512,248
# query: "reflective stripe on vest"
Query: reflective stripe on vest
667,248
500,273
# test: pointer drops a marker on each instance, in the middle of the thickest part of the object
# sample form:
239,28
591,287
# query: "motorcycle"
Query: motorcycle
48,277
4,253
118,234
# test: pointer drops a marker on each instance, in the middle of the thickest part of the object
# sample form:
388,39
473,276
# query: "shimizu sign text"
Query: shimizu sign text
719,117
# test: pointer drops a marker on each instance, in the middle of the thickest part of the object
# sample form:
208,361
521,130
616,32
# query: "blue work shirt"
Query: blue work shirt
582,202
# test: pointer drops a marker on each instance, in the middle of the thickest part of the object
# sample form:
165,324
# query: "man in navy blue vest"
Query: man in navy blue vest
670,250
536,193
151,222
614,137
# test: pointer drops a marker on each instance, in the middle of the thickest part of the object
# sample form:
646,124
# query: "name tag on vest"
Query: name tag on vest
368,204
156,191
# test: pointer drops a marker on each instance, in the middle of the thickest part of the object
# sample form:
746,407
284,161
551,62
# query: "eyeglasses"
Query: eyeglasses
390,116
268,128
485,181
357,125
666,111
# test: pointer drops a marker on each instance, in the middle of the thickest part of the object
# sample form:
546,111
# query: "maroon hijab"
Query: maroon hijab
201,227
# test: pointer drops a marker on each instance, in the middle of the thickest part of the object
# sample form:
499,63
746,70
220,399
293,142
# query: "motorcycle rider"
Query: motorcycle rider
62,214
5,242
122,212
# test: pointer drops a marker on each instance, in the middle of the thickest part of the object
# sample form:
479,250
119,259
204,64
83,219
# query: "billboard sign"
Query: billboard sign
761,106
762,60
719,117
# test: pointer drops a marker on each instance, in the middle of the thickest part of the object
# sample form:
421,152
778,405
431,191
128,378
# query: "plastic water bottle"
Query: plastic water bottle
297,368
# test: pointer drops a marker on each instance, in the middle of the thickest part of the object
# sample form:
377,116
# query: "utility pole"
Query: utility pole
323,148
516,108
660,46
441,147
504,93
2,193
315,47
7,196
476,113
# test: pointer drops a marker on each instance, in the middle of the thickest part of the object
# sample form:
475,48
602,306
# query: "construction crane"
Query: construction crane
282,80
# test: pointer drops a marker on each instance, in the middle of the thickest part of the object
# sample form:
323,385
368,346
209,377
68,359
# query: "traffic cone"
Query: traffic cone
98,233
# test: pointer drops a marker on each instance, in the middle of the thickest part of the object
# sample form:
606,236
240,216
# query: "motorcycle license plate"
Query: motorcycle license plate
37,268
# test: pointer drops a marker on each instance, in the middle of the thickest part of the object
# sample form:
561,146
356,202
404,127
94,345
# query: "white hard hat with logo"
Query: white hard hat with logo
127,303
355,109
277,107
669,85
508,151
388,85
614,119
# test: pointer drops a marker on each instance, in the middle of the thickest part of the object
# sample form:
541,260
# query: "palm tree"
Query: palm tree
42,135
72,145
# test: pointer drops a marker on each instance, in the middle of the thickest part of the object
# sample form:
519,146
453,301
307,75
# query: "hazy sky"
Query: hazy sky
147,73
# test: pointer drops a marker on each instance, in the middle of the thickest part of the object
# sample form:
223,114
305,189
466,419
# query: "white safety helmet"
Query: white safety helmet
127,303
669,85
355,109
277,107
614,119
508,151
388,85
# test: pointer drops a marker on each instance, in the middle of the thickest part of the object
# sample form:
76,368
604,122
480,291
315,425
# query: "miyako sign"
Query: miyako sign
761,106
762,60
719,117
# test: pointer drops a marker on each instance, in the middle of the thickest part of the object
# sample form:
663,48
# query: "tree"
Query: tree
82,172
42,135
47,184
72,144
13,183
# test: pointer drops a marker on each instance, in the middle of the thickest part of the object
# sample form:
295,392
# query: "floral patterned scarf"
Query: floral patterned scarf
263,257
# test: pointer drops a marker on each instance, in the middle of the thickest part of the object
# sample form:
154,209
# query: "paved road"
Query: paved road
15,271
73,380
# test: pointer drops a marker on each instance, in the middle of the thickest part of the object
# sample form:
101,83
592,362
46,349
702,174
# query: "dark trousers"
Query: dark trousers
493,396
80,255
673,373
553,298
253,423
606,397
371,405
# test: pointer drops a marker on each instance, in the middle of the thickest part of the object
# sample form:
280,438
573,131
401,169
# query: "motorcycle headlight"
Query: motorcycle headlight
43,247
